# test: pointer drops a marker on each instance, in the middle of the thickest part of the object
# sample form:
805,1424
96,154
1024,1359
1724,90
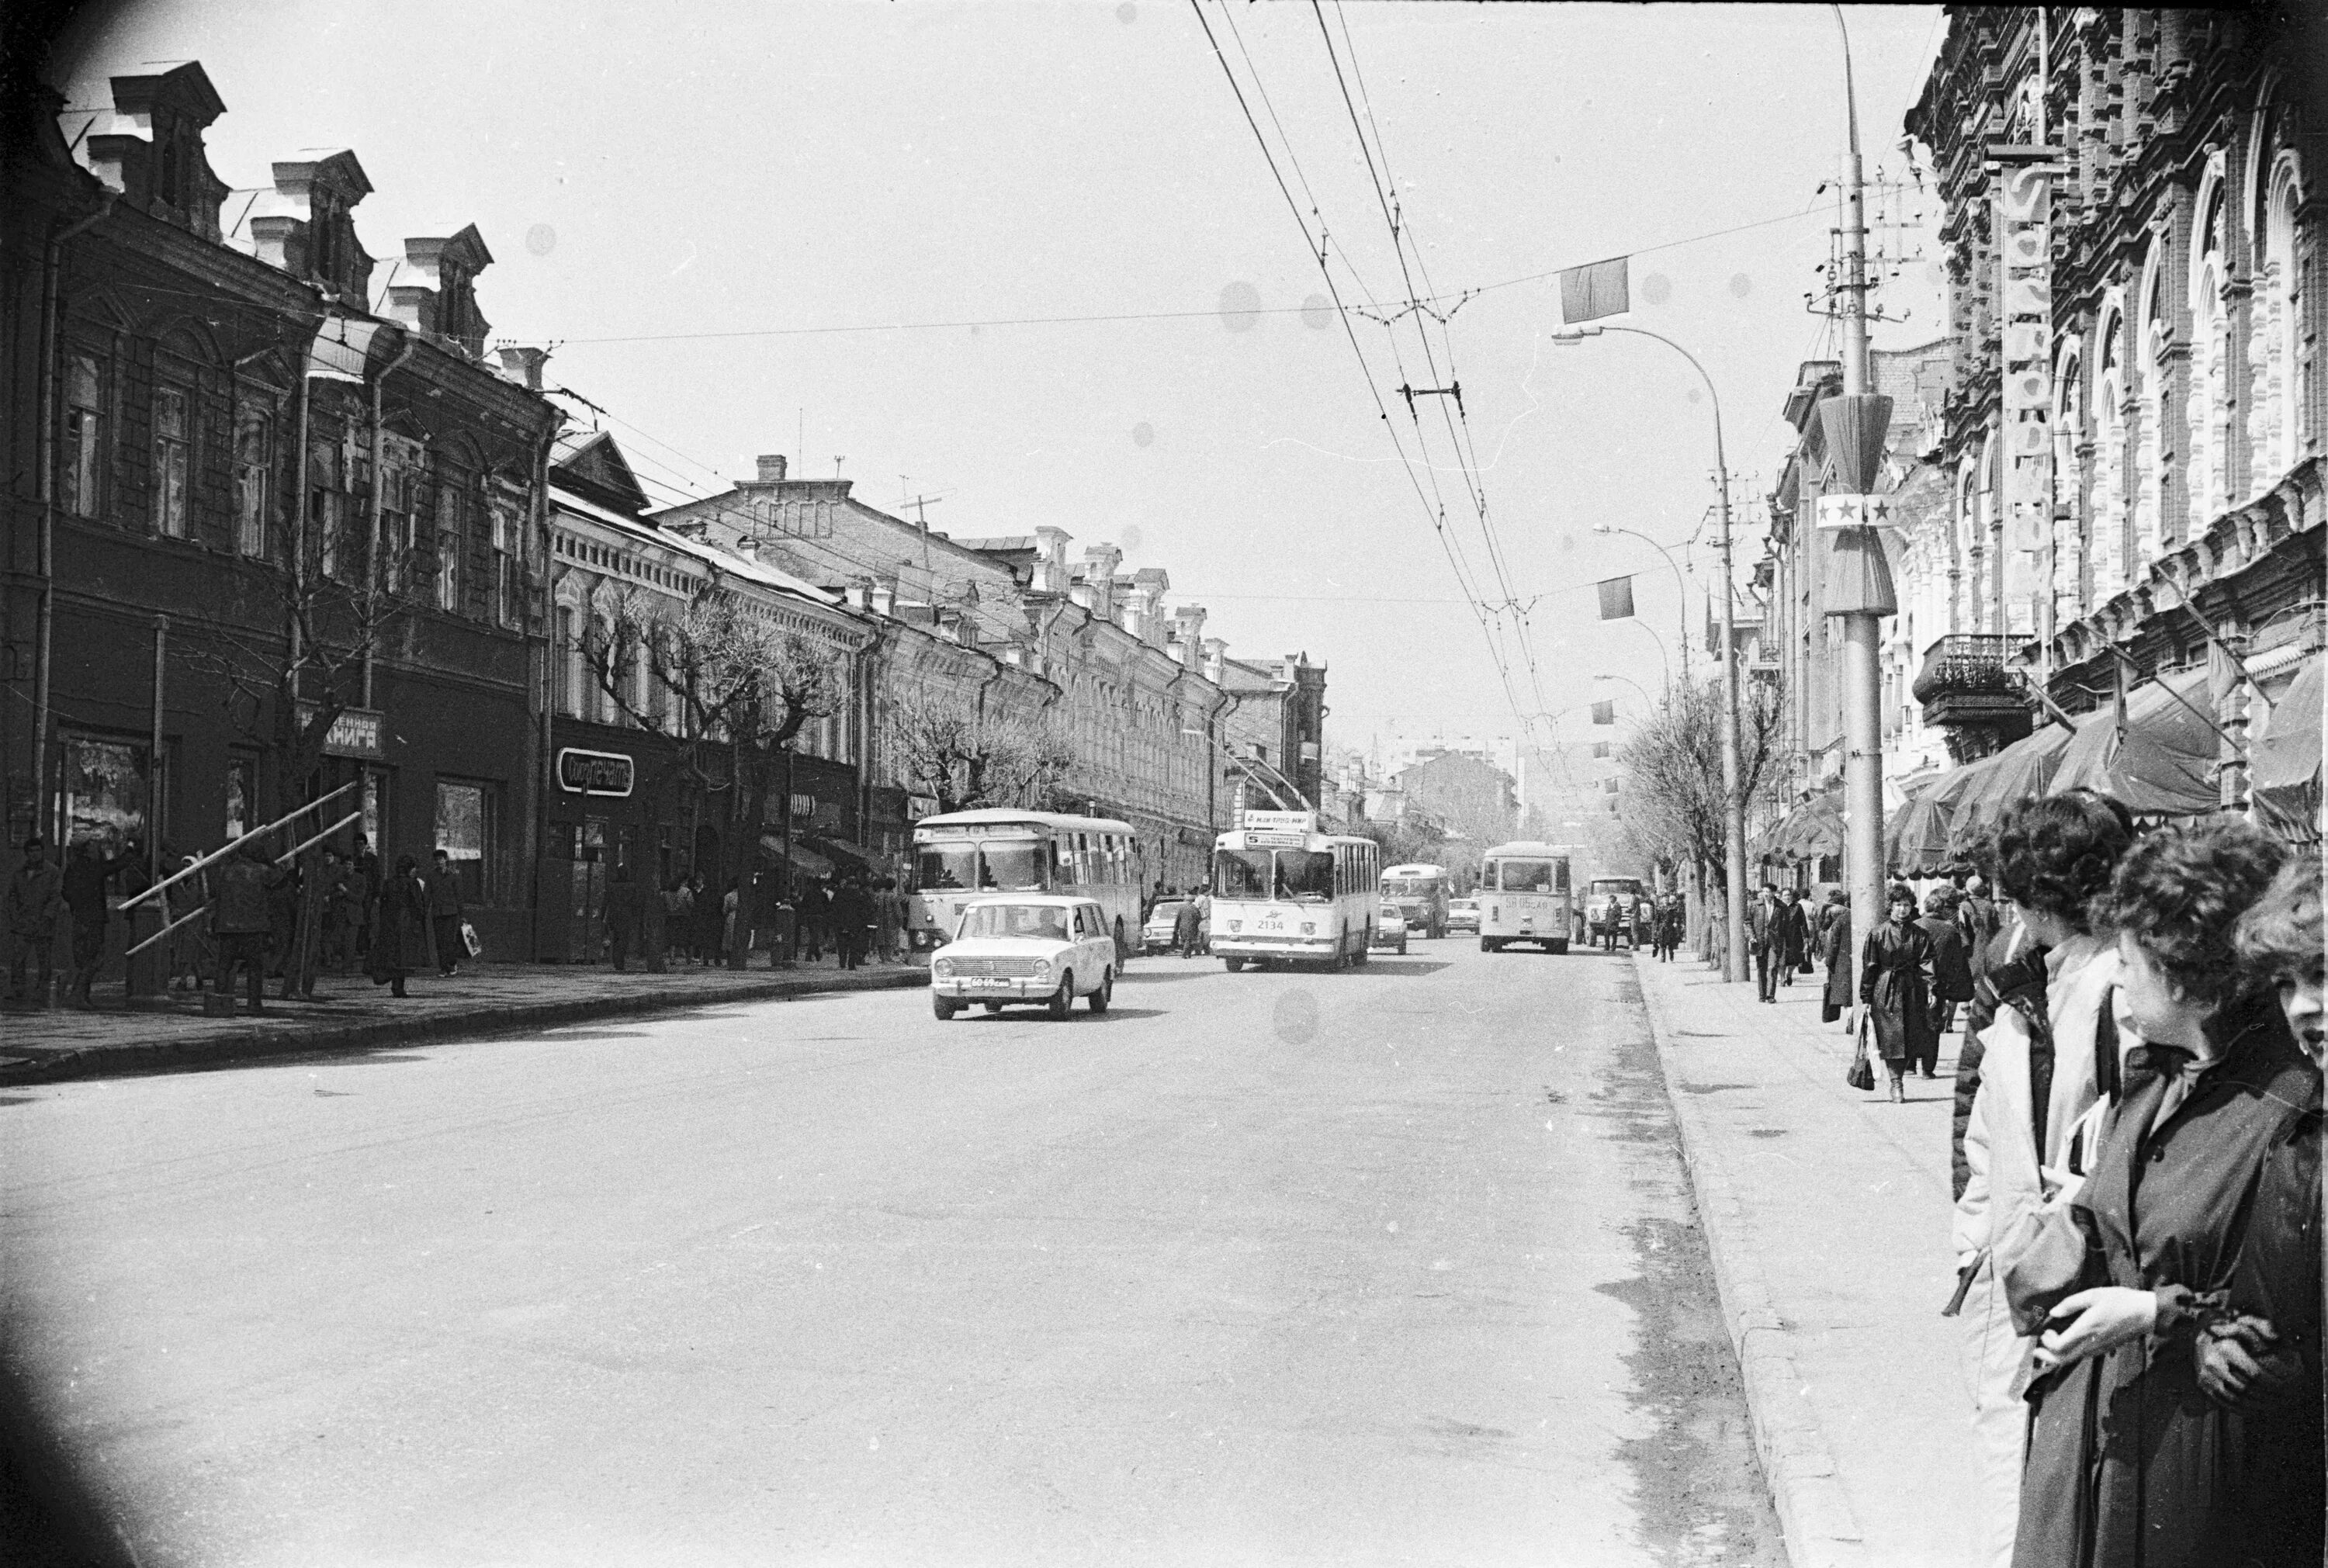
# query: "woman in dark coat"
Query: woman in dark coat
1895,981
400,934
1834,948
1951,967
2150,1442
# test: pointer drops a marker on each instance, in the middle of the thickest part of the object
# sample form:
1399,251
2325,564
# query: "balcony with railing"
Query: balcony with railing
1970,689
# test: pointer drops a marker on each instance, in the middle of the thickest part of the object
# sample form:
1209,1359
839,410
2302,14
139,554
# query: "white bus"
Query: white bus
963,855
1421,893
1525,895
1285,893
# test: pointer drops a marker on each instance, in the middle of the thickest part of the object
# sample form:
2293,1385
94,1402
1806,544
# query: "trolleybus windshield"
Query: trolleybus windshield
1298,875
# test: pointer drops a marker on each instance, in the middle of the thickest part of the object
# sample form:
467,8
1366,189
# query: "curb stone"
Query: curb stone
1798,1465
258,1044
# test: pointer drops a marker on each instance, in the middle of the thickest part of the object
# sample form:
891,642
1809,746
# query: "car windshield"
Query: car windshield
1017,866
1297,876
1526,875
1167,910
941,866
1042,922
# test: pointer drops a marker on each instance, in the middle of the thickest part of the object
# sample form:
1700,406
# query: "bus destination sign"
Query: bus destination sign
594,772
1280,827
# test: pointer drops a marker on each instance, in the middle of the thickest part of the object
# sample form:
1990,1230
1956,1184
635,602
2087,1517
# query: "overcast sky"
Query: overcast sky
731,221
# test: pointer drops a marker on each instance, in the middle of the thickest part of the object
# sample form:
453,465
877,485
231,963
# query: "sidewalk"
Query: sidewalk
1827,1211
42,1046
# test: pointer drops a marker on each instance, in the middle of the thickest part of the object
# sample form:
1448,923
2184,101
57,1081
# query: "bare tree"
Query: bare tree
1671,774
739,687
965,759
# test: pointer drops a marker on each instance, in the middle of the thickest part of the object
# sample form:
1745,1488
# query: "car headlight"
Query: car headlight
1042,969
1309,928
1236,925
942,967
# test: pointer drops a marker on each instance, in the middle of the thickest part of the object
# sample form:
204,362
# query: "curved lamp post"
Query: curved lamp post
1733,805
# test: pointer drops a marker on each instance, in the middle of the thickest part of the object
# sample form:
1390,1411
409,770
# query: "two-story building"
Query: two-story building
261,541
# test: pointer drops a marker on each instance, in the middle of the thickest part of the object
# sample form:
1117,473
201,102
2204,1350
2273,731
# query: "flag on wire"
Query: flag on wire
1589,293
1600,749
1617,598
1604,713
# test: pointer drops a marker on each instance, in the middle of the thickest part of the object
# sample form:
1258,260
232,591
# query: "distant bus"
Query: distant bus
1523,895
1421,893
1284,893
962,855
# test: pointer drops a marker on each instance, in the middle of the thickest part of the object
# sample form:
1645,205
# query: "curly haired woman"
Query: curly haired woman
2023,1080
2139,1453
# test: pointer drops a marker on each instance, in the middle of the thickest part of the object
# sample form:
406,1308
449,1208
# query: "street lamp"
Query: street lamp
1680,587
1636,685
1733,805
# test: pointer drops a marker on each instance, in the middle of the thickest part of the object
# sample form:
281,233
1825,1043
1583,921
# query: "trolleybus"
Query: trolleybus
1421,893
1284,893
1525,895
965,855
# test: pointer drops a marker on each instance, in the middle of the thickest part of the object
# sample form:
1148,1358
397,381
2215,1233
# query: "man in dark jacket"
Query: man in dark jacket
241,924
1763,940
852,920
1977,917
36,896
1952,981
88,874
1794,936
445,910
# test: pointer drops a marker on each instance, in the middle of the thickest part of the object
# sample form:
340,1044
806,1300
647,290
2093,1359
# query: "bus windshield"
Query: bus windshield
1015,866
942,866
1301,876
1409,887
1527,875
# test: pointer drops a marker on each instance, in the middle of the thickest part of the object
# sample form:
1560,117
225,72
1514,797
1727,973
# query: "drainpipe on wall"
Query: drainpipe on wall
51,263
537,695
154,772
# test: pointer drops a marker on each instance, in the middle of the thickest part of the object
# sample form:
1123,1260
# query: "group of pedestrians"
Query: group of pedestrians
852,917
1780,936
238,918
2136,1168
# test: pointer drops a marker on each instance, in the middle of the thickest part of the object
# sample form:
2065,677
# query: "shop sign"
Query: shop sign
356,732
594,772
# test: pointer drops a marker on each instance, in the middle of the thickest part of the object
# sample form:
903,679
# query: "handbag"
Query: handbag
1862,1073
469,941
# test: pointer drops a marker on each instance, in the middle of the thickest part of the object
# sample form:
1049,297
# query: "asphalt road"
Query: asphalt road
1395,1266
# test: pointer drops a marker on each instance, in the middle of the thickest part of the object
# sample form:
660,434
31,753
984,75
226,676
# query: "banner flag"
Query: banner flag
1617,599
1604,713
1600,749
1589,293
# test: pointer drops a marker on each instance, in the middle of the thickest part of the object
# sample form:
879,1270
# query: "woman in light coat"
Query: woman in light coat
2037,1068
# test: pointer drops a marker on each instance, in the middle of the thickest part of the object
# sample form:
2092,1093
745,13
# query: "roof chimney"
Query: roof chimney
885,596
1188,636
772,468
524,365
1215,650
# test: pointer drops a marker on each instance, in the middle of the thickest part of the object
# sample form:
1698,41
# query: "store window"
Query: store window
465,830
241,796
107,793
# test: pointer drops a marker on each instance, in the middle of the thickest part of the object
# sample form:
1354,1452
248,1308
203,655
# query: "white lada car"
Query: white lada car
1026,949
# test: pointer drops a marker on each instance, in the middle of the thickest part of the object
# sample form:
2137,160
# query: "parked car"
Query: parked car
1028,948
1156,936
1463,914
1390,929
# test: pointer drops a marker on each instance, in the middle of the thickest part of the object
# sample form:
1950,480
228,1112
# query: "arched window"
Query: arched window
2209,412
2283,379
2153,334
2112,540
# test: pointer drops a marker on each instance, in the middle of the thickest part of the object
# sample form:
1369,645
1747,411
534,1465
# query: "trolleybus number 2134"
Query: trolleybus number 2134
1284,893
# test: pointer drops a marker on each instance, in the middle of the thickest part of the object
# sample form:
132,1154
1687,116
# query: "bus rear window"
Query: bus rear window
1527,875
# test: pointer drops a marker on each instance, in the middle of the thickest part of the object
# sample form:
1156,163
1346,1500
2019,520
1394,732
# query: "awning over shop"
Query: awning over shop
849,856
802,857
2165,765
2285,771
1813,828
2022,772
